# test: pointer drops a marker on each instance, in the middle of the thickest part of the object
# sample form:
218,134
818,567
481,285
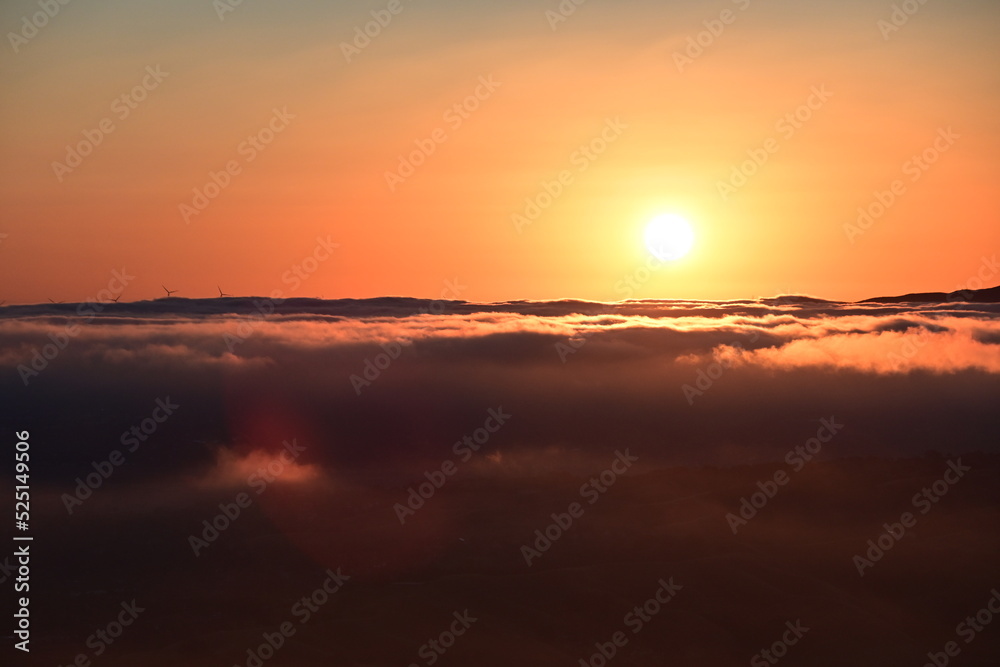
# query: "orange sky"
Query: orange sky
678,135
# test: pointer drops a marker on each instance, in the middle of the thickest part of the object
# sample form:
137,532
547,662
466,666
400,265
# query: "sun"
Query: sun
669,237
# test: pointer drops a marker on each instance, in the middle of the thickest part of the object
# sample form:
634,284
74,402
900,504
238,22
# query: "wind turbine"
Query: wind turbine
51,301
221,293
170,292
115,299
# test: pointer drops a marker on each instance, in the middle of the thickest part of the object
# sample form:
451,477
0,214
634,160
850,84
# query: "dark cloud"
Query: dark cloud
391,381
710,397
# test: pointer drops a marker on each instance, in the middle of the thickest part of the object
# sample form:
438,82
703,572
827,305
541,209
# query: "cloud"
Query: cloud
879,352
256,468
708,397
392,383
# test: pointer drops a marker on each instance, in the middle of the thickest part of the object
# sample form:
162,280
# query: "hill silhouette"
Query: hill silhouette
987,295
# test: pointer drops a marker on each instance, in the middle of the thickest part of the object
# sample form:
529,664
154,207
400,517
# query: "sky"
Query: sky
831,100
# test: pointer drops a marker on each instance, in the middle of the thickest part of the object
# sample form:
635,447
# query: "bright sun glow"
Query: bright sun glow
669,237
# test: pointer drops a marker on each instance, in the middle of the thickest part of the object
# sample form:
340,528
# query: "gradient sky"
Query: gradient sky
324,174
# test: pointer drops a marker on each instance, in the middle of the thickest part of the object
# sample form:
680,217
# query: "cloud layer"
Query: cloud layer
315,435
394,382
